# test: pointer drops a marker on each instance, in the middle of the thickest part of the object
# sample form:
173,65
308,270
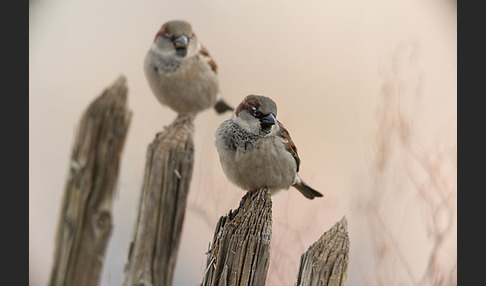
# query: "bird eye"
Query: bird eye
256,113
169,36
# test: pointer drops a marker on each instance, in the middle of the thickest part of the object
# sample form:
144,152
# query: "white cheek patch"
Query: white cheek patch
157,50
154,48
242,123
251,125
274,129
193,48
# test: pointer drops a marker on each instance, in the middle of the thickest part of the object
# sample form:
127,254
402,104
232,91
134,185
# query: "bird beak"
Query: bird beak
268,120
181,42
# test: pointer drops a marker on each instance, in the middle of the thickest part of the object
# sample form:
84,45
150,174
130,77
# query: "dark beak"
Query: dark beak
181,42
268,121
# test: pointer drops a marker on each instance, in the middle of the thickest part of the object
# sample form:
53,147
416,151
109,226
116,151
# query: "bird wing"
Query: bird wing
289,144
221,106
207,57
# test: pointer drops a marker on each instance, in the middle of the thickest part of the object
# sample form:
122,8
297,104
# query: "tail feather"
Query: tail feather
306,190
222,107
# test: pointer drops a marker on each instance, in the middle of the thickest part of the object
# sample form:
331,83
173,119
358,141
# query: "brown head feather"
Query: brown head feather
175,28
248,103
162,31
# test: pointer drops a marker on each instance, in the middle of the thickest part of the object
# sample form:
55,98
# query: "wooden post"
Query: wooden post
326,261
85,221
240,251
168,171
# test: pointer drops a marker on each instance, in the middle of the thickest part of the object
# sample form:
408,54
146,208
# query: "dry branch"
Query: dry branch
240,251
168,172
326,261
85,220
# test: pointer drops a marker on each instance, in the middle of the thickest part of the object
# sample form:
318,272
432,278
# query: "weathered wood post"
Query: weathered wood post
85,220
326,261
168,171
240,250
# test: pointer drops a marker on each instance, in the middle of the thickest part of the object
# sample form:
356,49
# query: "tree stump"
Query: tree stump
240,250
85,221
168,171
326,261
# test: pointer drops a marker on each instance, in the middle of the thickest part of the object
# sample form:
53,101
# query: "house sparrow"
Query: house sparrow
256,151
180,71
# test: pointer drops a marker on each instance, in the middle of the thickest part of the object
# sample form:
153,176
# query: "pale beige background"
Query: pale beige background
356,83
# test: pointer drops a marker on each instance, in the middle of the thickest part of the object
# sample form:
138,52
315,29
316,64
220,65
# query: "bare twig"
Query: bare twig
429,171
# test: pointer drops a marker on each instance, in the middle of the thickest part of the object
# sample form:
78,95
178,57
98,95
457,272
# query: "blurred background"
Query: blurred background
368,90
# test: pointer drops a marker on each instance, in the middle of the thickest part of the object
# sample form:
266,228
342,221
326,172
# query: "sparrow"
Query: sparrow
180,71
256,151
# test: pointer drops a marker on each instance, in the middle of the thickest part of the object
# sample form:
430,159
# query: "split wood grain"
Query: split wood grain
326,261
168,171
240,250
85,221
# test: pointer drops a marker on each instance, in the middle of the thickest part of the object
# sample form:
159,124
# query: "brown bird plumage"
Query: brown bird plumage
181,72
256,150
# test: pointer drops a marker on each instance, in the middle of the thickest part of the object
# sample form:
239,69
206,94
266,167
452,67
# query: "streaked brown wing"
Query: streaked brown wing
289,144
206,56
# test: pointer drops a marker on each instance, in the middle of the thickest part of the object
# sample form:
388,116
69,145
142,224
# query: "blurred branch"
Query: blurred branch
168,171
85,222
430,171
